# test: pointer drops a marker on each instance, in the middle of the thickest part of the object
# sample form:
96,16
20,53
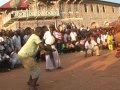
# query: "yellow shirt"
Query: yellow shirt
31,46
109,39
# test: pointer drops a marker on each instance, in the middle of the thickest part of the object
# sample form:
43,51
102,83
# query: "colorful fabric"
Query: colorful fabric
109,39
110,46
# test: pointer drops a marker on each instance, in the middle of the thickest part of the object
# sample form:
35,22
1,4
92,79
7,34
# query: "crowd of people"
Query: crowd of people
67,39
25,47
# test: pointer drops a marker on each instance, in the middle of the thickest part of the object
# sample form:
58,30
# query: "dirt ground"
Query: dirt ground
78,73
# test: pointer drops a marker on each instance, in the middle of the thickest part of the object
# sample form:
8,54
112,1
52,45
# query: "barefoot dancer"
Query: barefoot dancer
27,53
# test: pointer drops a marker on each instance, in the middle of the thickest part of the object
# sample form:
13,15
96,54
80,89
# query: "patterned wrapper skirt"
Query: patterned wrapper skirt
118,51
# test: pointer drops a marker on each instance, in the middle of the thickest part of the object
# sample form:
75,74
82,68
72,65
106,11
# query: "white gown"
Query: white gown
49,39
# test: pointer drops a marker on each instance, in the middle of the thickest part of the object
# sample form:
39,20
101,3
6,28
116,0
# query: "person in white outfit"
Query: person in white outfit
90,46
52,58
14,59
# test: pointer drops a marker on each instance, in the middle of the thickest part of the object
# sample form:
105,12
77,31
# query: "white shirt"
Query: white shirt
5,56
49,39
82,28
14,56
89,46
2,47
65,37
98,40
73,36
17,41
103,37
1,39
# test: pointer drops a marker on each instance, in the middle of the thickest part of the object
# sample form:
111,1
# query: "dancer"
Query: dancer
27,53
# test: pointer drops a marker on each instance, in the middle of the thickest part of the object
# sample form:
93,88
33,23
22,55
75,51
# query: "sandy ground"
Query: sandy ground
78,73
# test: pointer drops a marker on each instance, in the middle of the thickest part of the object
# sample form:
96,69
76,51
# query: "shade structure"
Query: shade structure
20,4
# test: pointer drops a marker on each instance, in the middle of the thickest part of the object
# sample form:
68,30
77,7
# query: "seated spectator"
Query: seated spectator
14,59
70,46
82,44
4,61
1,37
110,41
105,44
64,49
2,47
91,46
99,42
77,45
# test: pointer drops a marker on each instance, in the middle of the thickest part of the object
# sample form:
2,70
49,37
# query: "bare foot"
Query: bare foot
33,88
30,83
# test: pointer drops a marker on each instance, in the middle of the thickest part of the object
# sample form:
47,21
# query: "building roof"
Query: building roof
23,5
102,2
89,1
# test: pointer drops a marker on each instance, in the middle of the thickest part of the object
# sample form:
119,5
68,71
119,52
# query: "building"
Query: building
80,12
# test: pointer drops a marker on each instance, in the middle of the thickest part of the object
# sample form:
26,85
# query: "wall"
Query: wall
75,14
88,17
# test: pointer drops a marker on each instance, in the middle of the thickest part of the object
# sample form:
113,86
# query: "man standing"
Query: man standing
27,53
16,40
52,58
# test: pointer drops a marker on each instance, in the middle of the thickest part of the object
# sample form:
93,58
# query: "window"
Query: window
113,10
76,7
97,8
62,7
91,7
85,6
69,7
103,9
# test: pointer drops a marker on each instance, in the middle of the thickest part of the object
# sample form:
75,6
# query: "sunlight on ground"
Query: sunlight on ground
99,63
